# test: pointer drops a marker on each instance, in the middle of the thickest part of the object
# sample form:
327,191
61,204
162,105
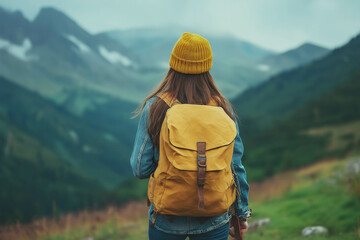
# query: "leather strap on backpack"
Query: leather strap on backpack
201,161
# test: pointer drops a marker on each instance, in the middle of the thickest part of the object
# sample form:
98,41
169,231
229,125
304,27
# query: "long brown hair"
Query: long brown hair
186,88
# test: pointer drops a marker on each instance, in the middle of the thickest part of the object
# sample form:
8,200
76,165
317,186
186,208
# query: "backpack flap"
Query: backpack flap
189,124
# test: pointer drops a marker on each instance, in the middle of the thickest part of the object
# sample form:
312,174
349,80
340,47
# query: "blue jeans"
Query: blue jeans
220,233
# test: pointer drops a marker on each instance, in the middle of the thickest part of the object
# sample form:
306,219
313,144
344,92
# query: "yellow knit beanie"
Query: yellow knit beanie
191,54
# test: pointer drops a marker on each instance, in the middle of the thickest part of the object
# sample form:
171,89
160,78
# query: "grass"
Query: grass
341,135
321,204
111,230
320,194
126,222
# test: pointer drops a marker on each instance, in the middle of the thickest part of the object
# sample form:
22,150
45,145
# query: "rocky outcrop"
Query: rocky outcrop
316,230
258,223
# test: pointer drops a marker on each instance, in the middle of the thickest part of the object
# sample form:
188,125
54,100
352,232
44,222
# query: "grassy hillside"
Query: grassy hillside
295,142
283,94
323,194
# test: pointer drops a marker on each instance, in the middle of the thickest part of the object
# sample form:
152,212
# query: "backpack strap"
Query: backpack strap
201,160
171,101
213,102
168,99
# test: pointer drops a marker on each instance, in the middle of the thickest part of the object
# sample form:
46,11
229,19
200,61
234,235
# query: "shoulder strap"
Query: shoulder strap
171,101
168,98
212,102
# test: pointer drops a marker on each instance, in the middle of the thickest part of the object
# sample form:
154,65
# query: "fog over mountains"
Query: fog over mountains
57,56
237,64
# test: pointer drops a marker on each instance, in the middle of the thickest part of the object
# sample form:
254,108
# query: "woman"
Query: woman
187,82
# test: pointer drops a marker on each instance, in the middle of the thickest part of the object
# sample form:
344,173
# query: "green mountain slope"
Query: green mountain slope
36,182
53,162
95,146
277,98
336,107
327,126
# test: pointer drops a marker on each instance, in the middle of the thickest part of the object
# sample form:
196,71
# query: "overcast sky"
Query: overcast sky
273,24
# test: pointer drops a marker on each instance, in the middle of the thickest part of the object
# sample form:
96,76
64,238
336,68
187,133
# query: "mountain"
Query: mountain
49,156
53,54
339,106
64,126
35,182
302,115
14,26
96,144
304,54
146,42
234,67
51,19
237,66
284,93
328,126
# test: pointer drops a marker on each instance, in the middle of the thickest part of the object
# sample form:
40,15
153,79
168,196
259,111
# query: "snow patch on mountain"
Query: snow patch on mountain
263,67
18,51
81,46
114,57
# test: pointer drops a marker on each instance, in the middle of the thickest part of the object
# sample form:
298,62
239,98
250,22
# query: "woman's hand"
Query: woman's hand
243,229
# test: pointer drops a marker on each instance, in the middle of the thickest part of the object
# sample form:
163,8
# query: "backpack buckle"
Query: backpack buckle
202,161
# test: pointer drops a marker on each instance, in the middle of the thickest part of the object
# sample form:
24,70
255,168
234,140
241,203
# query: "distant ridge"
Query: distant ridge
304,54
282,94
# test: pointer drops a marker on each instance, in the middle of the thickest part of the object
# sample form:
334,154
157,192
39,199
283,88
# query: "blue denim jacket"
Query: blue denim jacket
144,160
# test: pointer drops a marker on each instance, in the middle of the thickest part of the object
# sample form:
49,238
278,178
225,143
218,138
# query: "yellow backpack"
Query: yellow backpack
194,176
